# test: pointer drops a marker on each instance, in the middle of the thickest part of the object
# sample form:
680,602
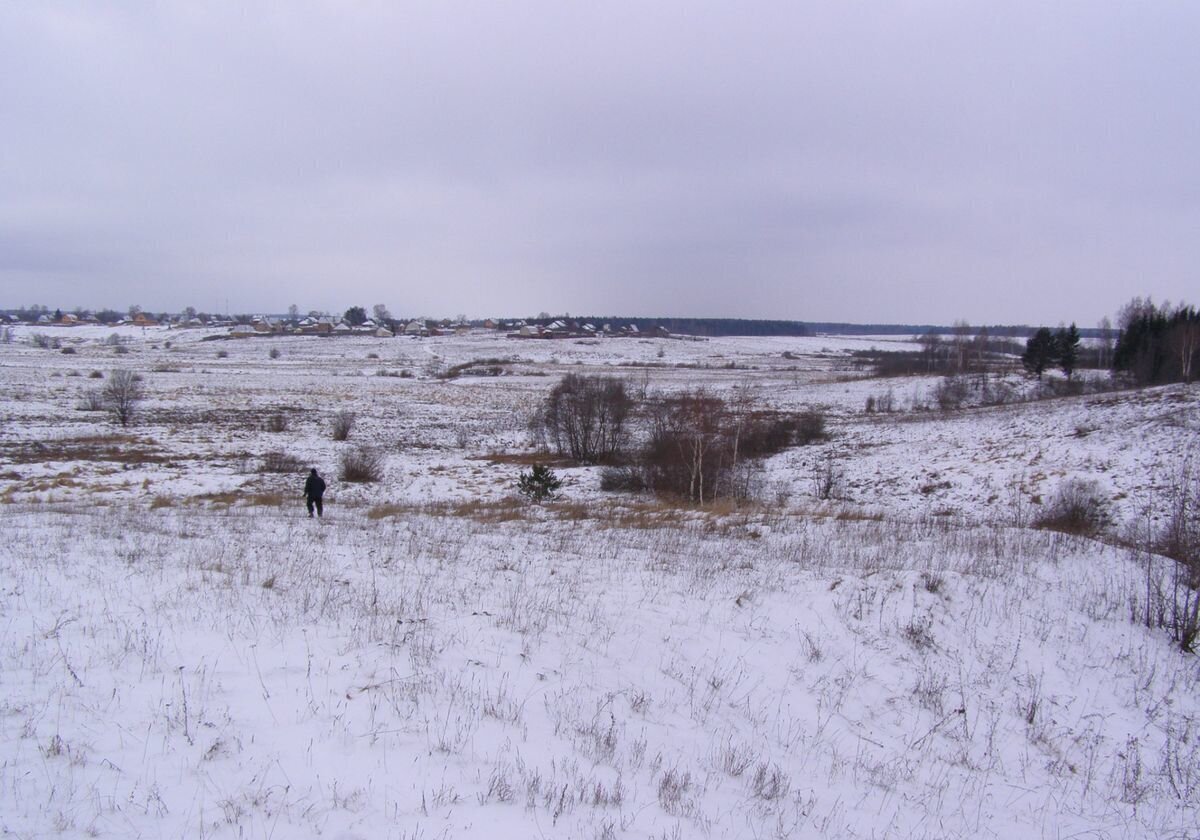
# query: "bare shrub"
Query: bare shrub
826,478
585,417
361,465
622,480
93,400
918,633
122,393
463,437
475,367
673,786
1179,539
44,342
885,403
273,353
769,782
760,437
951,392
222,354
810,427
343,424
280,462
1077,508
69,351
735,760
277,423
95,375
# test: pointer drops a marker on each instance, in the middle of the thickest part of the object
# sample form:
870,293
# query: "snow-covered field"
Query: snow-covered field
184,653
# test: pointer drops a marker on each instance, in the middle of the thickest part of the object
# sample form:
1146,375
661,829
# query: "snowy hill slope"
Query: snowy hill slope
184,654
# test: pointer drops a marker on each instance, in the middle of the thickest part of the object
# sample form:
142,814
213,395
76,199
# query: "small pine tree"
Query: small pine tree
1066,342
1040,352
538,485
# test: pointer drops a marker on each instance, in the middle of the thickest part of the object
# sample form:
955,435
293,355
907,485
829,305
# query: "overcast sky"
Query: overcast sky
997,162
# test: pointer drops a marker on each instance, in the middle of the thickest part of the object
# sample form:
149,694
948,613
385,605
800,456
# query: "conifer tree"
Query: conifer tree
1066,342
1040,352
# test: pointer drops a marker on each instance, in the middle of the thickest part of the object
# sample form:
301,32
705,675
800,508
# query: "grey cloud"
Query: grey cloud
1024,162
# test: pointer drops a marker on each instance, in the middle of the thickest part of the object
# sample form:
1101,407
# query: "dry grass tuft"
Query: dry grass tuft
229,498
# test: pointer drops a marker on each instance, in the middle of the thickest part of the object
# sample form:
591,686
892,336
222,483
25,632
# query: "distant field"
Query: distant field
185,653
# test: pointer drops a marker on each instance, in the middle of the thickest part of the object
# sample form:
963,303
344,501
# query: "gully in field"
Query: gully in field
314,490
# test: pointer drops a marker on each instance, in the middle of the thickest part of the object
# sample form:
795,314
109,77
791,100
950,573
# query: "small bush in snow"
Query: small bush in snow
361,465
280,462
1076,508
951,392
343,424
826,478
93,400
277,423
769,783
622,480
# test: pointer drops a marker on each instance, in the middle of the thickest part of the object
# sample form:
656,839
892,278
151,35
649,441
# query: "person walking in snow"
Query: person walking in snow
314,489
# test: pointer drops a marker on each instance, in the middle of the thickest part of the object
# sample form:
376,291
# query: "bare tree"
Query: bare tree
1108,337
962,345
689,447
1185,339
931,349
586,417
122,393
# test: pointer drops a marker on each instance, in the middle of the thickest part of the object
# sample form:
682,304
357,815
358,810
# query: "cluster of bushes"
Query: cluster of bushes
476,367
693,445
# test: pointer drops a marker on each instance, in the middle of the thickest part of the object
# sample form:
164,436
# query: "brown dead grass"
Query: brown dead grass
498,510
525,459
233,497
116,448
646,515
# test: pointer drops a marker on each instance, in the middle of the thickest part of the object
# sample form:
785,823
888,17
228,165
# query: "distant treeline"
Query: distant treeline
709,327
714,327
994,330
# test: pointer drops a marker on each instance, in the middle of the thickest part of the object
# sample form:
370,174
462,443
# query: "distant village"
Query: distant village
246,326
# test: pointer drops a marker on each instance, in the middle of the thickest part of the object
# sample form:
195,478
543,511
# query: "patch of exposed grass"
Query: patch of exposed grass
230,498
525,459
118,448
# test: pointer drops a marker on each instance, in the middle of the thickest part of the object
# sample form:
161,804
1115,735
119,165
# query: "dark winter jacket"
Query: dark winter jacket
314,486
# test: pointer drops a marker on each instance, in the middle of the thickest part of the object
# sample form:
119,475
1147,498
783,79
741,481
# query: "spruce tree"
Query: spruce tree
1040,352
1066,342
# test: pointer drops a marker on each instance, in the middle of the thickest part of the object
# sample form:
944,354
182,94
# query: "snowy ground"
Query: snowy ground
184,653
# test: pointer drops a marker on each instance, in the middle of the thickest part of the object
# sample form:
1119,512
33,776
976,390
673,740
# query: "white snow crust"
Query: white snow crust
183,653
